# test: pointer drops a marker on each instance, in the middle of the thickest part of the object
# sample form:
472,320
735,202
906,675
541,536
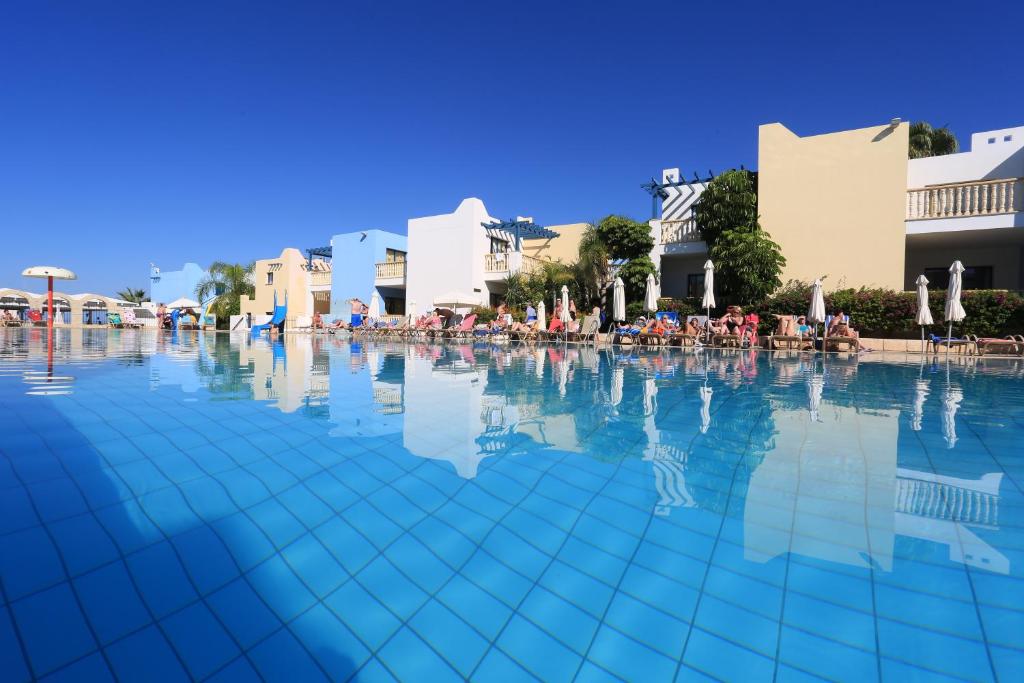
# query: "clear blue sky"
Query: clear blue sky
134,132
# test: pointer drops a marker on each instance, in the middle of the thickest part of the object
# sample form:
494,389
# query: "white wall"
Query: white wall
446,253
985,161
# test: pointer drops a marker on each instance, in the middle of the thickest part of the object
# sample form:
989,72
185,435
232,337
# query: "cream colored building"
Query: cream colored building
563,249
71,310
306,285
850,206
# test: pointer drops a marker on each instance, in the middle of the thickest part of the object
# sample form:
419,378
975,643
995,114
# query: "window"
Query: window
1007,138
498,246
394,305
394,256
270,278
974,277
991,141
695,284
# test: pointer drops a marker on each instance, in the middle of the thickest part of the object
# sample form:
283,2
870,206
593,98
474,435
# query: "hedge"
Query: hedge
884,313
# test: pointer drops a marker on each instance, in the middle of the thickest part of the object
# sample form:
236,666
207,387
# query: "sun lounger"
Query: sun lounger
114,320
776,341
961,345
588,330
1010,345
463,329
834,340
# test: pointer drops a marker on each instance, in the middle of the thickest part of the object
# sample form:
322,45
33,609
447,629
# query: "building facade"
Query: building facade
306,284
167,285
374,261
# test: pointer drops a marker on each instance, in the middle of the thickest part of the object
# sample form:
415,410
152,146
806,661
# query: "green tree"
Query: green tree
591,267
926,141
728,202
624,238
134,295
749,264
634,276
227,282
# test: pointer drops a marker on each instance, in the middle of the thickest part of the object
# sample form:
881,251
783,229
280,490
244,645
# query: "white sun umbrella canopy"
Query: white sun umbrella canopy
454,299
374,312
708,302
183,302
565,304
954,309
651,294
542,316
619,300
816,311
924,314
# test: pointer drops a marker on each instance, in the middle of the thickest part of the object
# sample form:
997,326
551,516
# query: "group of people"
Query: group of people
186,316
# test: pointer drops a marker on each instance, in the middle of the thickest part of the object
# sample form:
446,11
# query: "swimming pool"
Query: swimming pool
208,507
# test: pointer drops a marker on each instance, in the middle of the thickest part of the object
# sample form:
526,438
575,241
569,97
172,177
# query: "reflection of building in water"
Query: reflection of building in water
292,371
831,490
366,391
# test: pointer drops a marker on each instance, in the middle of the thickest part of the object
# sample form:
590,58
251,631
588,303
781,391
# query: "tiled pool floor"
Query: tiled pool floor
215,509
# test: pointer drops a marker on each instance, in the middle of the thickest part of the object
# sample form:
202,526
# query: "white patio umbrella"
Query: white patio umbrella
374,312
454,299
950,405
565,304
815,386
619,301
954,310
411,307
708,302
542,316
618,379
924,314
816,312
706,393
183,302
651,294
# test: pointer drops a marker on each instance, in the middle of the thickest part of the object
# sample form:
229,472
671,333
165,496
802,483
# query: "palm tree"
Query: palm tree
926,141
591,268
136,296
226,284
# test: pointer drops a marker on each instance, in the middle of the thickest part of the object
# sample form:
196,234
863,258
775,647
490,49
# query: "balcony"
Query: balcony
680,232
965,200
320,279
501,263
390,273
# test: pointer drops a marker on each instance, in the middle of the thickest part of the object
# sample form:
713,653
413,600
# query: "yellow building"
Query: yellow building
307,286
836,203
564,248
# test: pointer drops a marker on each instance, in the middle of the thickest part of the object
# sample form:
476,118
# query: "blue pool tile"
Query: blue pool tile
410,658
444,541
580,589
128,525
57,498
243,612
592,560
630,659
560,618
374,525
383,580
827,657
245,489
830,621
306,507
661,591
365,616
169,510
417,562
331,491
1003,627
648,625
469,523
317,569
83,543
238,671
28,562
425,495
929,650
101,487
497,666
280,526
199,639
16,511
110,601
12,663
207,561
142,477
475,606
208,498
180,468
245,541
496,578
538,652
451,637
161,579
92,668
724,660
53,628
375,672
331,643
396,507
282,658
280,588
145,655
546,537
273,476
515,552
1008,663
592,673
347,545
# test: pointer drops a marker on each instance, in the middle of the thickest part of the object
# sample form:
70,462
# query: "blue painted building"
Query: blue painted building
167,285
368,260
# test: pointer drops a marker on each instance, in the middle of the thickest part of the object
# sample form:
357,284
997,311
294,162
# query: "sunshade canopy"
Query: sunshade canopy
49,271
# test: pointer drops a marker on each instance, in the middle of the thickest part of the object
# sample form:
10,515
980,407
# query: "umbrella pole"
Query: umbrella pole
922,340
49,303
949,338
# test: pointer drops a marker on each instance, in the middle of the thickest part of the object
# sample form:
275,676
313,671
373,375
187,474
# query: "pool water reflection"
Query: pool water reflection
215,507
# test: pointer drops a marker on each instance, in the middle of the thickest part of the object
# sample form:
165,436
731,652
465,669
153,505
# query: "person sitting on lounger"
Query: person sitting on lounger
840,327
556,320
531,315
318,322
786,326
692,327
802,328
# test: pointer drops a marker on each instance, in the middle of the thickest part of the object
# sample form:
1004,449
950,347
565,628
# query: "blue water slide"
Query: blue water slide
280,312
175,315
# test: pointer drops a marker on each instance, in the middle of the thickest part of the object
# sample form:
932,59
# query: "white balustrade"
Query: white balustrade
957,200
676,232
390,270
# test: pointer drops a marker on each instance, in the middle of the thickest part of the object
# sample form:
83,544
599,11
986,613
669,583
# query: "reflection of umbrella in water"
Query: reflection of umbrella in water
950,405
650,396
538,366
920,396
618,378
706,393
563,377
815,386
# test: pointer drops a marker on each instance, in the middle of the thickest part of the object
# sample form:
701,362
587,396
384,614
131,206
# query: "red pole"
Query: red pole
49,301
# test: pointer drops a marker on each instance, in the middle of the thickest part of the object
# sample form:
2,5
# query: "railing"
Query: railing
945,501
320,278
677,232
954,200
499,263
391,270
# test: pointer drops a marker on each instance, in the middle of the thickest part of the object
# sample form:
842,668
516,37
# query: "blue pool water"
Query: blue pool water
208,507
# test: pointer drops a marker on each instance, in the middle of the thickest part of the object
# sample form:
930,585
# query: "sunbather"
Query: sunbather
786,326
318,322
